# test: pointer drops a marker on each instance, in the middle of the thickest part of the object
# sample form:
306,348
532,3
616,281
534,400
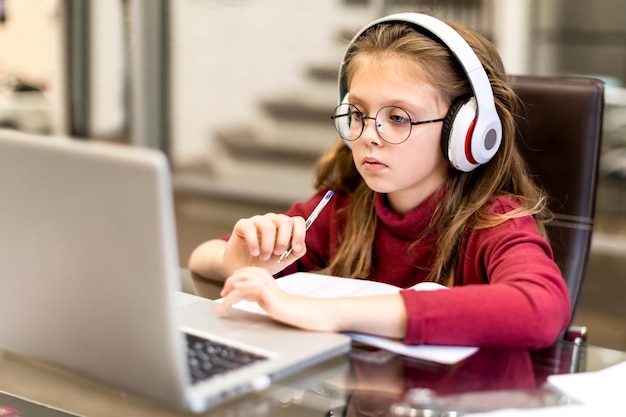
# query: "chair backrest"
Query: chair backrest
560,134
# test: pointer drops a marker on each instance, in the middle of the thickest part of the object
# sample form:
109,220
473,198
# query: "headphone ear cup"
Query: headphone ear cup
457,132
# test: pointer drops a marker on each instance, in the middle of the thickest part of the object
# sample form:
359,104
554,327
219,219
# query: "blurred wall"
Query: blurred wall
588,37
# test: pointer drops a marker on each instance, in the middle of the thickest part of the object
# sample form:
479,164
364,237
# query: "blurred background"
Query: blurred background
238,94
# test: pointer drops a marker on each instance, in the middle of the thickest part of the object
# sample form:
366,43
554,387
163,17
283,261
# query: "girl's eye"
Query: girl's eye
398,119
357,115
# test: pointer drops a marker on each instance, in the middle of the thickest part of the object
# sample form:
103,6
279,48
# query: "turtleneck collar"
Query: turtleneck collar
409,225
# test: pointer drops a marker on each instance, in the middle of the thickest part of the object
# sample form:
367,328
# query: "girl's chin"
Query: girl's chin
378,186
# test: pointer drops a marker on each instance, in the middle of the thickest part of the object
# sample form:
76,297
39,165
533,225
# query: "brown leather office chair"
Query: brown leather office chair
560,135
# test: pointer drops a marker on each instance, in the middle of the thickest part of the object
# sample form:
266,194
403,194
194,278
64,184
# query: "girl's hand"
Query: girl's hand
253,284
256,284
260,240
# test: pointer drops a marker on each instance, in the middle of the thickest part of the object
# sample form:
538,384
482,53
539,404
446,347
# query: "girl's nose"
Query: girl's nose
370,132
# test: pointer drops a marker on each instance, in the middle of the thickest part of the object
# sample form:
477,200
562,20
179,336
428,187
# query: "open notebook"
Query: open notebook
89,279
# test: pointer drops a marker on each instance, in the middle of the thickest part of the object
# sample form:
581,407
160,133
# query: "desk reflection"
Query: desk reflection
487,369
376,383
488,380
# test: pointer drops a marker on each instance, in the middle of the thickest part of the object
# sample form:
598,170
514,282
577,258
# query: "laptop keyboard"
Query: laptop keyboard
207,358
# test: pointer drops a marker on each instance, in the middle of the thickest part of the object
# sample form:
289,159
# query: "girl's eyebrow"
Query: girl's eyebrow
419,108
415,109
354,99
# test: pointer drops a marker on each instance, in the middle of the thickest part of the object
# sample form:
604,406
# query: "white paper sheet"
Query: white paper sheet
446,355
597,388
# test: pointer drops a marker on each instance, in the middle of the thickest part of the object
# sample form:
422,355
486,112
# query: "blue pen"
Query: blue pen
320,206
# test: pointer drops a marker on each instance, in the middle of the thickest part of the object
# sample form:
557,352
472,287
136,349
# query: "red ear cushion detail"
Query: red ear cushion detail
468,143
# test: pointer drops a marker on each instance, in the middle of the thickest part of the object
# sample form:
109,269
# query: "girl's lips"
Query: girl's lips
373,164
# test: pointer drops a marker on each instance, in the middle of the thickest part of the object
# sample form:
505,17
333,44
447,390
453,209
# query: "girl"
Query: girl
406,210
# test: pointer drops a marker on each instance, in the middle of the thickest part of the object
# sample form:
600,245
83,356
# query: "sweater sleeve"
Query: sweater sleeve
508,293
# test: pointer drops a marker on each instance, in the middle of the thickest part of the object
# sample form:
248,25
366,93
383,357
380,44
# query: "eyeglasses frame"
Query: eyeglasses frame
364,117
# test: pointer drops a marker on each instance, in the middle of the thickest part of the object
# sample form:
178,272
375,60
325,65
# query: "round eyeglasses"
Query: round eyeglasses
393,124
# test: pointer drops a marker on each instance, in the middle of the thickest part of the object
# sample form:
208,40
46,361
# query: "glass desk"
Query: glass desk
363,383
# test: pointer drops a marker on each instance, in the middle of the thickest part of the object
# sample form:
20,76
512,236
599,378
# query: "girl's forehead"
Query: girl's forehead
391,66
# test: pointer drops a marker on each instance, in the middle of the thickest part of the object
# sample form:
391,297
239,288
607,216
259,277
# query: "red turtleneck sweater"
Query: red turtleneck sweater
507,292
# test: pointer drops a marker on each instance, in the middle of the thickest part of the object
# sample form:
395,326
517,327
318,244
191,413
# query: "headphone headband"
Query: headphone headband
487,124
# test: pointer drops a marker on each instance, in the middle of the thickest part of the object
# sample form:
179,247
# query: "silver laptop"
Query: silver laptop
90,279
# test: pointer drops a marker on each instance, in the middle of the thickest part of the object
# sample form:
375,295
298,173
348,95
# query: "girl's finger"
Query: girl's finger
227,302
284,224
266,229
246,229
298,235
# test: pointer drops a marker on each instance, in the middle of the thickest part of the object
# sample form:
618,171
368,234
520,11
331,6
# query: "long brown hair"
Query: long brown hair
462,207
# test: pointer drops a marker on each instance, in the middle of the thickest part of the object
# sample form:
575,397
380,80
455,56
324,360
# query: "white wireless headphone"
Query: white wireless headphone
472,130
